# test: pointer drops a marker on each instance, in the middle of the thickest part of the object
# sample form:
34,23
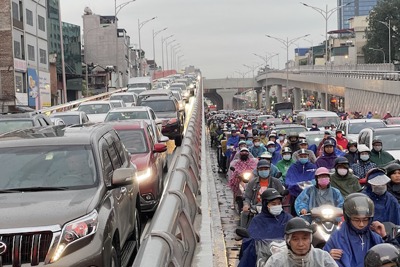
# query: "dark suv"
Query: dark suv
69,198
24,120
167,109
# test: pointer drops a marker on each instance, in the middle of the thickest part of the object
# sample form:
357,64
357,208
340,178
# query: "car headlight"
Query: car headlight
76,230
143,175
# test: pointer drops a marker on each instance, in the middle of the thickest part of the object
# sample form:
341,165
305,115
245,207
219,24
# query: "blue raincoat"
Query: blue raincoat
257,151
354,243
263,226
276,157
298,173
232,141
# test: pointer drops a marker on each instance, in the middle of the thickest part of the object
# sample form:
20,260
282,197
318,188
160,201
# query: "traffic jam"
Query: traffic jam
307,187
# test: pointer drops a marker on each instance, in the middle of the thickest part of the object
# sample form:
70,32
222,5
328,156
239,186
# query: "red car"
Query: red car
149,156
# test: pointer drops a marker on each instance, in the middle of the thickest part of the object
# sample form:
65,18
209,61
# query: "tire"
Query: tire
136,232
115,260
178,140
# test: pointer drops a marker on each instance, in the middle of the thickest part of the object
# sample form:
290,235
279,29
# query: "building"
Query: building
107,47
72,55
24,66
353,9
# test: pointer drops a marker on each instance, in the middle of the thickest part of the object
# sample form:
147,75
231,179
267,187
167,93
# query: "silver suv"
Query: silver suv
69,198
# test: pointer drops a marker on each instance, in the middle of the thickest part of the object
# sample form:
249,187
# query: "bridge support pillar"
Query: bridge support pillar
259,97
297,98
279,96
267,98
322,97
227,96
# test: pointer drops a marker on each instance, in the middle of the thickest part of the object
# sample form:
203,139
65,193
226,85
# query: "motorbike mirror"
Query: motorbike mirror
285,192
242,232
314,228
278,175
232,169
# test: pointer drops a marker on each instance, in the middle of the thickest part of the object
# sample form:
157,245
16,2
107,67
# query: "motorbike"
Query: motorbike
244,180
264,247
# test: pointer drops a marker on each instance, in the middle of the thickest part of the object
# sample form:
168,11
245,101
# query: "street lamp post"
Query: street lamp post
166,50
173,52
381,50
179,61
140,25
266,58
387,24
162,48
253,68
312,50
154,36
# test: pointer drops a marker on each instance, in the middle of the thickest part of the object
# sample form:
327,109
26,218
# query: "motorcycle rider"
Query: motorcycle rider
273,138
387,208
382,255
327,135
378,155
341,140
319,194
293,141
257,185
244,163
284,164
269,224
393,172
364,164
263,137
357,234
282,138
304,145
268,157
257,149
276,156
328,157
352,152
300,253
343,179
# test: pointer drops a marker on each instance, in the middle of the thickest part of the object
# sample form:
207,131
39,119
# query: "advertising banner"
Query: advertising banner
33,85
45,91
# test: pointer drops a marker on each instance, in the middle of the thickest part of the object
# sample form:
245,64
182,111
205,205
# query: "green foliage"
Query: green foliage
377,34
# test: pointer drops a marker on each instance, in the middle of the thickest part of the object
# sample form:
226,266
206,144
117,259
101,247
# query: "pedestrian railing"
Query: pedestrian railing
171,239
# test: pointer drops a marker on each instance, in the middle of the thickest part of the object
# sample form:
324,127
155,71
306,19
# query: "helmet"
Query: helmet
341,161
297,224
302,136
286,150
262,133
358,204
377,176
272,135
242,136
302,152
352,143
392,168
321,170
270,194
263,163
363,148
293,134
282,132
382,254
266,155
242,143
329,142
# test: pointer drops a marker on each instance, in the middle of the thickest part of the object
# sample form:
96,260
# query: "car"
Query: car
23,120
289,128
263,118
167,109
95,110
184,94
117,103
314,137
319,116
72,117
352,127
183,87
392,121
150,158
71,197
57,121
390,137
181,102
137,90
156,92
128,113
129,98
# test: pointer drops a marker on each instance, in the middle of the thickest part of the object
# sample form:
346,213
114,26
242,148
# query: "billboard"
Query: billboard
33,85
45,90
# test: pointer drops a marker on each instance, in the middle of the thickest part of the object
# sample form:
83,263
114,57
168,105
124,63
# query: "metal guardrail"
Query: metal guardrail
171,239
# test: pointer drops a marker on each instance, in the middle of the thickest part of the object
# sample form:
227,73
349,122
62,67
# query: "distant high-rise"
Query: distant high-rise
355,8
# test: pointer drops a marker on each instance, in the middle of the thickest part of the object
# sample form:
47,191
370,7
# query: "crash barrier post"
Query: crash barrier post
171,239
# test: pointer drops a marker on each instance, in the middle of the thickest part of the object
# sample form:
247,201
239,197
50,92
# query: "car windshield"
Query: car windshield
177,96
136,90
94,108
298,129
393,120
161,105
69,119
136,85
133,140
47,167
322,121
391,140
127,115
314,139
116,104
10,125
355,128
125,98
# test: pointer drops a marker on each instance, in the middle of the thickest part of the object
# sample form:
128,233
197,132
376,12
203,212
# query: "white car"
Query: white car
95,110
71,117
352,127
390,137
129,98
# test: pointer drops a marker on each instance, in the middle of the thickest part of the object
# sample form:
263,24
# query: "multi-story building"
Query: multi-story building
352,9
24,67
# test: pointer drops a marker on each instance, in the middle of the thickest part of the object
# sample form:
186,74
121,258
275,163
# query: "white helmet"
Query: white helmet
363,148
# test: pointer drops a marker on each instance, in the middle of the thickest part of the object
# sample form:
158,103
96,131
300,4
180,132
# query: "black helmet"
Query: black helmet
352,143
297,224
358,204
270,194
262,133
263,163
392,168
329,142
341,161
293,134
382,254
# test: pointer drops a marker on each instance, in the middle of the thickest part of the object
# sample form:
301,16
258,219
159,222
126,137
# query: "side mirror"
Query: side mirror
123,176
232,169
163,139
242,232
159,148
158,121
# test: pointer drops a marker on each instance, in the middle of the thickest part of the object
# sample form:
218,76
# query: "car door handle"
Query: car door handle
123,190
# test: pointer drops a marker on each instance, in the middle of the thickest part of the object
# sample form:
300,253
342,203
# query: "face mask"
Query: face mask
377,148
275,210
324,181
352,149
379,189
257,143
271,149
281,138
287,157
364,157
244,157
263,174
303,160
249,143
342,172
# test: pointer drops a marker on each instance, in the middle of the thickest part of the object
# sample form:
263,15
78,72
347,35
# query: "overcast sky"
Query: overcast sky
217,36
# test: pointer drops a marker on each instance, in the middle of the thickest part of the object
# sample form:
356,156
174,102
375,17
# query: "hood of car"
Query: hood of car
394,153
97,117
44,208
142,160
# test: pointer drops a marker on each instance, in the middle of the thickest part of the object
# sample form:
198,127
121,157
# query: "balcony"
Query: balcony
18,24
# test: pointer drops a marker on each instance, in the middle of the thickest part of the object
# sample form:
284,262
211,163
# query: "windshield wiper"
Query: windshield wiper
33,189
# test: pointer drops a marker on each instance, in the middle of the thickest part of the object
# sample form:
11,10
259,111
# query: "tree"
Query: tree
377,34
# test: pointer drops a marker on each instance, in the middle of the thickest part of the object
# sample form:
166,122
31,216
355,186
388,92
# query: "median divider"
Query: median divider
171,239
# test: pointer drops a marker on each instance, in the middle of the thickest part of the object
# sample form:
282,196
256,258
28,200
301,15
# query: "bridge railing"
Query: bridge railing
171,239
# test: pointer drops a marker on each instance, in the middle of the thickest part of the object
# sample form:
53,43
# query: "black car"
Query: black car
167,109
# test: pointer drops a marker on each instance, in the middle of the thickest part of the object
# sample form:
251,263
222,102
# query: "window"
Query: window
20,86
15,11
29,17
43,56
116,161
42,24
17,50
31,53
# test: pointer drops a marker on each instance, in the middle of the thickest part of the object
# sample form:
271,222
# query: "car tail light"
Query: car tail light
172,121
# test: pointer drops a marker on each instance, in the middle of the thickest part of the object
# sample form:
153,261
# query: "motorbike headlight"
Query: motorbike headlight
143,175
76,230
327,213
246,176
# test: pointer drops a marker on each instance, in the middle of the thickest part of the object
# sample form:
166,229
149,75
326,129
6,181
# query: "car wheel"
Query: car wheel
115,259
178,140
136,233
